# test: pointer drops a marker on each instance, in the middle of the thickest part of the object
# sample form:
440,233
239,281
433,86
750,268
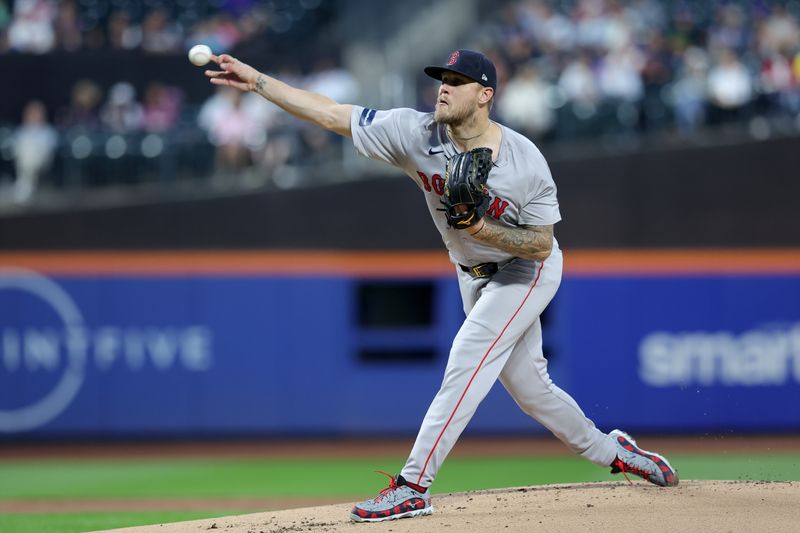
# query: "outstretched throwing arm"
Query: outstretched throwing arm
306,105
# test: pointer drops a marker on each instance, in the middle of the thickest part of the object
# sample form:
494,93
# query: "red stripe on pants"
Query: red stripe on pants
435,444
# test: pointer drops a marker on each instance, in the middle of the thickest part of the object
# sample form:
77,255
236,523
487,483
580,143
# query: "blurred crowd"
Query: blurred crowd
568,69
42,26
248,134
245,138
36,140
122,123
583,67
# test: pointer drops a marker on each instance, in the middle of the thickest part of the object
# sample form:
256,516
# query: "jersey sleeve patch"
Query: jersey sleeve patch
367,116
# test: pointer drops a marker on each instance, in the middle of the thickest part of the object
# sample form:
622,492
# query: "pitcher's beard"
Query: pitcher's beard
451,117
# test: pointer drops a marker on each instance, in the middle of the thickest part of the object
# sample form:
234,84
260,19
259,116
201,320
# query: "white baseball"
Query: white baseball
200,54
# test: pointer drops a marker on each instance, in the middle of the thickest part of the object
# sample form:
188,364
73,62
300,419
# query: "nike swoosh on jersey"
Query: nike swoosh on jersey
431,151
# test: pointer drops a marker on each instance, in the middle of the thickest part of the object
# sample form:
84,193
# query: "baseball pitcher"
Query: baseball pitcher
492,198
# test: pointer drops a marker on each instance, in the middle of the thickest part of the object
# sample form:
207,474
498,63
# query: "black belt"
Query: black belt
483,270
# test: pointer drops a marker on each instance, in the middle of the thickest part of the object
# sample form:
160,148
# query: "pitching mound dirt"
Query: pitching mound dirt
692,506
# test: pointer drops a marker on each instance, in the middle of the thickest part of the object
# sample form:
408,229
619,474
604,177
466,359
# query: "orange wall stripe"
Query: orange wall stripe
284,263
392,263
682,262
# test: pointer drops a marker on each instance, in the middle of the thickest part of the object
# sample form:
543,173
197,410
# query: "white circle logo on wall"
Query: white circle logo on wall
66,388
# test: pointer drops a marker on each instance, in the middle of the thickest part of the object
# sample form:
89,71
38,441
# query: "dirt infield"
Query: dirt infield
707,506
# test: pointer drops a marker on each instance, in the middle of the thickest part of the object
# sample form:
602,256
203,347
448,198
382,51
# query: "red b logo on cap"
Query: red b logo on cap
453,58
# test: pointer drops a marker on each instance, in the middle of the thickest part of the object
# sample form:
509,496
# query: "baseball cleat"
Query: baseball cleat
398,500
647,465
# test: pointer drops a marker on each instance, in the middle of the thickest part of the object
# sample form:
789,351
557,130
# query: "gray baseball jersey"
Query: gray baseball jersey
521,187
501,337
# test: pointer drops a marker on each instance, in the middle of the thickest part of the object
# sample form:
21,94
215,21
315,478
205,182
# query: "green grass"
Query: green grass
252,478
348,479
73,522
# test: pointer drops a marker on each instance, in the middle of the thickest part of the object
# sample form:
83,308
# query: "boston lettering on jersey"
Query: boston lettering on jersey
436,183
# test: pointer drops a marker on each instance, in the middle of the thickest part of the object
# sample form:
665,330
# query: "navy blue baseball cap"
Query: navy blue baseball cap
473,65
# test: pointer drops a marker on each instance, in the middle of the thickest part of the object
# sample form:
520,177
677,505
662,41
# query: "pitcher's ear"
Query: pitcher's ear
486,95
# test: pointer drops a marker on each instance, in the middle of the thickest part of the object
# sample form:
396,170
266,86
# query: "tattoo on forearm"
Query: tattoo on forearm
527,242
261,84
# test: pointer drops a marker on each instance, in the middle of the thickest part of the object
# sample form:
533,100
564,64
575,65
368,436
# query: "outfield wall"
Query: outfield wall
142,344
738,195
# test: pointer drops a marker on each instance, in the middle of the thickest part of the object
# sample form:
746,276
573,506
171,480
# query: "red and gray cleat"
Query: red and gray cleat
399,500
647,465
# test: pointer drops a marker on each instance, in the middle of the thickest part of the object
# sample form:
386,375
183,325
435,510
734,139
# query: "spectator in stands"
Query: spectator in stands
552,31
685,30
780,85
203,32
219,32
94,36
83,110
779,46
282,131
31,29
161,107
648,17
35,142
122,113
620,81
67,27
688,93
122,33
591,24
231,128
656,75
617,29
729,30
514,38
327,77
226,31
780,32
253,22
159,34
578,81
526,103
578,85
730,88
619,75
